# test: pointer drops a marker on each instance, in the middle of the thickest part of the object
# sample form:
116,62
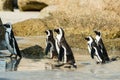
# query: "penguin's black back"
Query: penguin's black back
104,51
70,56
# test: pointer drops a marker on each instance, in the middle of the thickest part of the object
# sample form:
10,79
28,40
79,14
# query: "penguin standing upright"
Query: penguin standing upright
66,50
94,50
11,43
50,44
100,44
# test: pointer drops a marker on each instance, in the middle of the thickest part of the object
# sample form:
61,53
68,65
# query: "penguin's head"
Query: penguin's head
49,32
59,31
89,38
8,26
97,33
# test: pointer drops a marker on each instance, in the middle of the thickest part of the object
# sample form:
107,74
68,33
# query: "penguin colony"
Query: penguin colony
58,47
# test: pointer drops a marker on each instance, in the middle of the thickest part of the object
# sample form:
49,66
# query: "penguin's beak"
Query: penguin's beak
46,32
56,30
6,25
95,32
47,49
86,38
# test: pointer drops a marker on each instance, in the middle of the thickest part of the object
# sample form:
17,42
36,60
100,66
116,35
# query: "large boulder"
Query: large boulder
6,5
79,18
31,5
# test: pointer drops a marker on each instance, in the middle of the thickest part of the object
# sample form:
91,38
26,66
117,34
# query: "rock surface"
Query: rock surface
35,51
6,5
31,5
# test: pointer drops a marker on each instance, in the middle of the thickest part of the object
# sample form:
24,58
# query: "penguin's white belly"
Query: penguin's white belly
8,44
56,45
97,56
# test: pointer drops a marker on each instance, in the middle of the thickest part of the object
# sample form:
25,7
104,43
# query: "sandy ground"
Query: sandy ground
44,69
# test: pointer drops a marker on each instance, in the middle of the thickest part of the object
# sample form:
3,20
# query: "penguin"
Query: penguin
100,44
59,49
65,50
11,43
94,50
50,44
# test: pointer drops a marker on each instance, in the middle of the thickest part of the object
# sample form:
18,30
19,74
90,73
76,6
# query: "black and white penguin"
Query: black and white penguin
100,44
50,44
65,50
94,50
11,43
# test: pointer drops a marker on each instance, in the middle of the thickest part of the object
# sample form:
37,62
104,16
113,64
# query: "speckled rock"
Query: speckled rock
6,5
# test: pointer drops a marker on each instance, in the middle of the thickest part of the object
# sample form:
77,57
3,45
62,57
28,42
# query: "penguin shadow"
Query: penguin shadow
64,65
116,58
12,64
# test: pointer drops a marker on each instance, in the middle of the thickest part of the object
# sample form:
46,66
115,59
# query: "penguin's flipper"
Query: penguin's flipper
61,54
92,53
47,49
100,46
